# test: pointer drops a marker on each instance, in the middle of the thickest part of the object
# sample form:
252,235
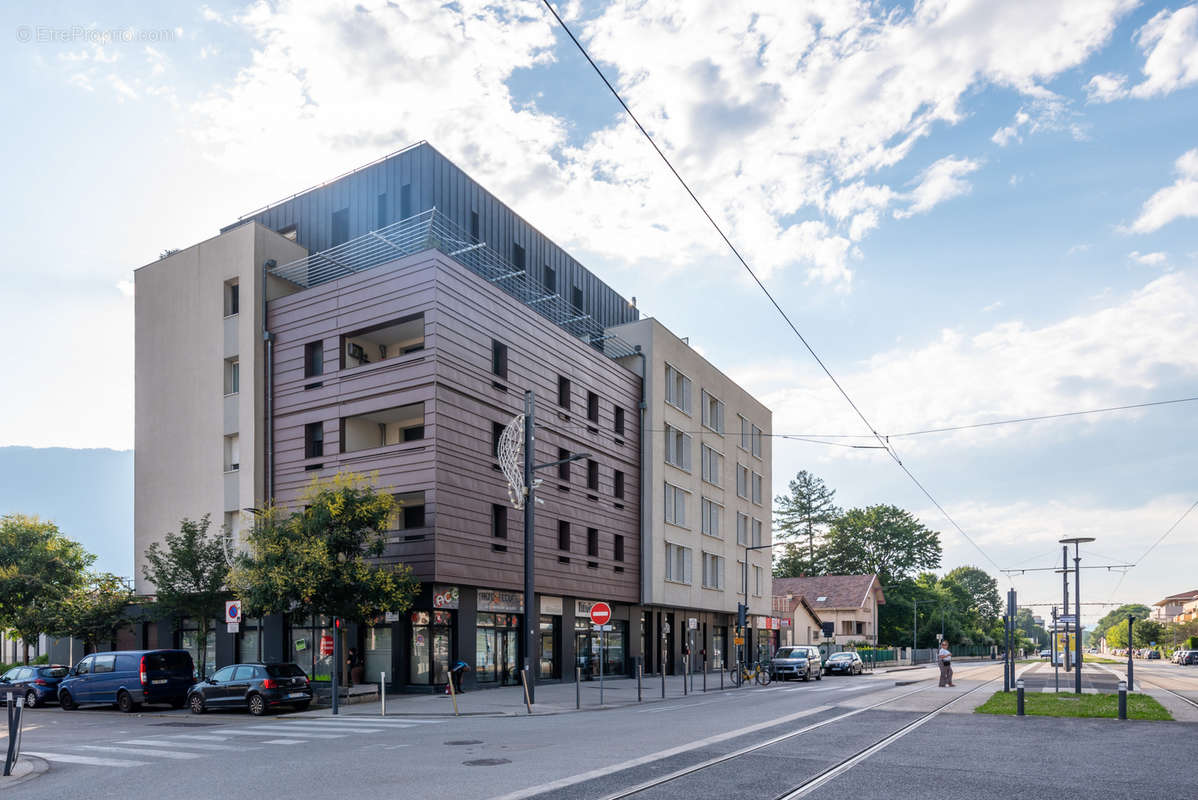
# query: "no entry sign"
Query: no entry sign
600,613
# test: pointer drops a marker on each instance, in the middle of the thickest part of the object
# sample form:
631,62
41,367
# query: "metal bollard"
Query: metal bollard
1122,699
578,687
704,673
685,674
383,694
1019,698
640,674
663,680
721,677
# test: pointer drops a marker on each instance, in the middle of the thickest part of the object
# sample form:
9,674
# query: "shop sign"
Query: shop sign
445,597
551,606
499,600
326,644
763,623
390,616
785,623
582,608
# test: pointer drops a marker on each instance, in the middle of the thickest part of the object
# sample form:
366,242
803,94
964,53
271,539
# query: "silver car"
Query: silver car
800,661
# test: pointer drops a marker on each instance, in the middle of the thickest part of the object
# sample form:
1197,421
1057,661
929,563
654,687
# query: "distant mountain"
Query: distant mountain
87,493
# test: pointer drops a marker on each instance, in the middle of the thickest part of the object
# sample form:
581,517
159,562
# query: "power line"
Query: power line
757,280
1152,547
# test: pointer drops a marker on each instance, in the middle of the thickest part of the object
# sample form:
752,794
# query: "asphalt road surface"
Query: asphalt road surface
858,737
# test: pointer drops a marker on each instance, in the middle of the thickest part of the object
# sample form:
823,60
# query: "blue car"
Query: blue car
37,684
129,678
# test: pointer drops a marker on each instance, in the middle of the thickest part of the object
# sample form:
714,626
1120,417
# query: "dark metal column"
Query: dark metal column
529,542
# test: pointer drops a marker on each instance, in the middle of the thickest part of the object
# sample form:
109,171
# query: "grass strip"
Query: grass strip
1041,704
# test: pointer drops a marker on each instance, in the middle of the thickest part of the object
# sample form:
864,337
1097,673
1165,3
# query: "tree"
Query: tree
190,575
801,517
1118,617
39,569
316,561
984,602
96,610
885,540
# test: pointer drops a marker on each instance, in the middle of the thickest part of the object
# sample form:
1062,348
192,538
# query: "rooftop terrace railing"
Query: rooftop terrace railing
432,230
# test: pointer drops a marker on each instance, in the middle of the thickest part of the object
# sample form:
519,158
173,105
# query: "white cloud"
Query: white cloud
1148,259
1045,111
997,304
942,181
1172,202
1170,44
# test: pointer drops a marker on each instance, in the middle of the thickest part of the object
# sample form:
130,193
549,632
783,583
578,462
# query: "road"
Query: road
751,742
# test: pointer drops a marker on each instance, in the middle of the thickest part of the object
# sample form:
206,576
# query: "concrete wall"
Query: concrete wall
661,347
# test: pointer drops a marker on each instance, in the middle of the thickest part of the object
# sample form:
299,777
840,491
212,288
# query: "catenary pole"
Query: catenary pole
530,504
1077,600
1065,605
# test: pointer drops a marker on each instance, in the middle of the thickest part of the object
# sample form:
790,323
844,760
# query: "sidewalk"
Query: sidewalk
552,698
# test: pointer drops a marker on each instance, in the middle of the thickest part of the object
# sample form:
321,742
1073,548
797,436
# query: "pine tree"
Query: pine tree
801,518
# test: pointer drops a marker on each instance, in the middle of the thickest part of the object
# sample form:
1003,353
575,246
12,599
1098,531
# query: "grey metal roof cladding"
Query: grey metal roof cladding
431,230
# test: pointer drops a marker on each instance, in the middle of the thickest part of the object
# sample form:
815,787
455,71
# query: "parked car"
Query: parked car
801,661
128,678
258,687
37,683
1190,657
1045,654
1153,655
847,662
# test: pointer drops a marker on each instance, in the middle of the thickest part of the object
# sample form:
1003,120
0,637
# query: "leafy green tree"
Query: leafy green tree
39,569
317,561
1116,618
189,574
800,518
96,611
883,539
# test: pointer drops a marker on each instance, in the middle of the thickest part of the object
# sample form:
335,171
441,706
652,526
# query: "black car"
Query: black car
848,663
38,684
258,687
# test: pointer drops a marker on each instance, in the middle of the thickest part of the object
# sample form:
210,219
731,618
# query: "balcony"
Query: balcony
382,428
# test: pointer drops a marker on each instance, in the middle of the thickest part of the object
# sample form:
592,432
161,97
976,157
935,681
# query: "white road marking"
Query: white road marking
284,741
176,754
199,737
67,758
326,726
196,745
276,732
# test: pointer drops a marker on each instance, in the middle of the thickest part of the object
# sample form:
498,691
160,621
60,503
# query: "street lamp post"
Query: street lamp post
1076,541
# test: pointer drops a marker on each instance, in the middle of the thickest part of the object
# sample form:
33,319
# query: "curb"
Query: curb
37,766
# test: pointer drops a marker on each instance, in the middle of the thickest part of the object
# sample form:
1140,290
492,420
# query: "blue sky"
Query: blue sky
973,211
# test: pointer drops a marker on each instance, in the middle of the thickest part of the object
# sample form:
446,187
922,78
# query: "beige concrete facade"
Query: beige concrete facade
703,517
185,408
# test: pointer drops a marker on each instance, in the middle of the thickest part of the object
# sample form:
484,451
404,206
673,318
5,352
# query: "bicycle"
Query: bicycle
758,672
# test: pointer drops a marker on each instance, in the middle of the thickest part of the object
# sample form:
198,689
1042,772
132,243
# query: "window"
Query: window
675,505
232,453
563,535
713,571
563,469
742,481
314,440
745,432
678,563
757,575
619,426
380,211
713,465
409,511
576,297
313,359
104,663
340,228
496,432
518,255
593,407
756,488
291,232
499,358
550,279
405,201
710,514
678,448
563,392
232,375
474,225
387,426
618,547
756,441
713,413
617,480
592,475
232,297
742,529
381,342
757,533
678,389
593,542
740,572
499,521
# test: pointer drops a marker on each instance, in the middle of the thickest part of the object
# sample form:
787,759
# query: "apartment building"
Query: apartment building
707,502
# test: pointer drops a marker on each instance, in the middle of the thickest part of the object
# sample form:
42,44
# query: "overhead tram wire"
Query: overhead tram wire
881,440
1153,546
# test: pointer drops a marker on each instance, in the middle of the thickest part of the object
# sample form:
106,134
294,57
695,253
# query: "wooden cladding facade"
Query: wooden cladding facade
454,464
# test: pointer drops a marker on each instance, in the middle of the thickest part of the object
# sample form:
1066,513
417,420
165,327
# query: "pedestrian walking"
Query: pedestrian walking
945,659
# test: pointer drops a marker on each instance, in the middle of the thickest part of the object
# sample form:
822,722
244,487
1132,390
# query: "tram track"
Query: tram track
825,775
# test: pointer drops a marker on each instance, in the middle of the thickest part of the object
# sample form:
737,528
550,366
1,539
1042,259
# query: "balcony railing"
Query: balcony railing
432,230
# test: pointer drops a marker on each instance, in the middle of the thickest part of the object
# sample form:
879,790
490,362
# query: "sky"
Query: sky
972,210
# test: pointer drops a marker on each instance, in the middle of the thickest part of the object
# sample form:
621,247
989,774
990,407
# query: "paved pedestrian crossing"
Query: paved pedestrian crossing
235,737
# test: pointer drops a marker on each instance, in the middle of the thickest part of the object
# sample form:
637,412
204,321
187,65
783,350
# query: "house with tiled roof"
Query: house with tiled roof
849,602
800,623
1173,608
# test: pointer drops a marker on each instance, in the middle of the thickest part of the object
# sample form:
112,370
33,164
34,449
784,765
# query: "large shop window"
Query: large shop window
588,644
189,640
382,342
497,648
548,663
378,653
432,636
719,646
312,647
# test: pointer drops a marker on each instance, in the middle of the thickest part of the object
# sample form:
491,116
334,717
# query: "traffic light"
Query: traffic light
742,613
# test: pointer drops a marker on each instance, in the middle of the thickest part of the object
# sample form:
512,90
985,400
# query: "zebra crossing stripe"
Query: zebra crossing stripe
277,732
284,741
176,754
194,745
322,726
70,758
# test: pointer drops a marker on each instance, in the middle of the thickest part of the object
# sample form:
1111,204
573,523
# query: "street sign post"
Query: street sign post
600,617
600,613
233,615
